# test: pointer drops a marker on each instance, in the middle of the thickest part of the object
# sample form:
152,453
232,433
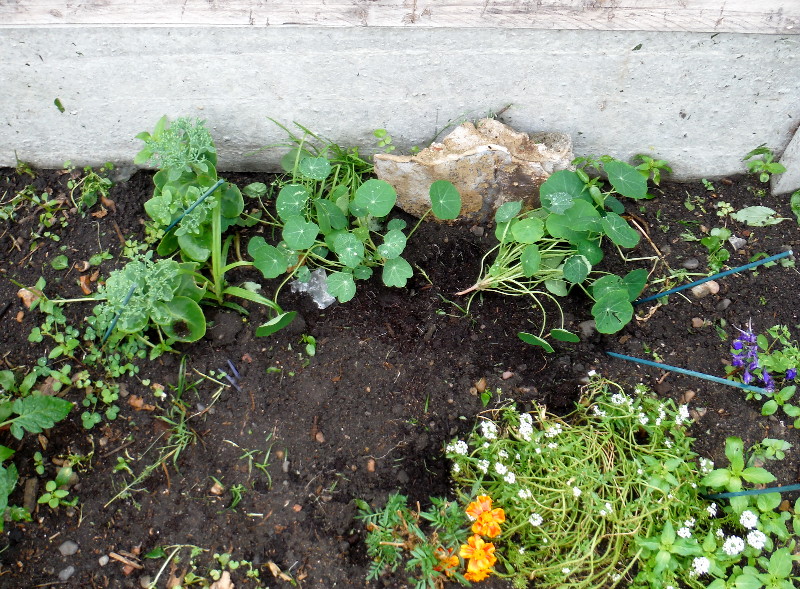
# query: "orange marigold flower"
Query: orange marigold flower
480,554
482,505
447,561
488,523
478,575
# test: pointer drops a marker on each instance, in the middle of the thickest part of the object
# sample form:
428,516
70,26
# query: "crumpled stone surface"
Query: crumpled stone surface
489,162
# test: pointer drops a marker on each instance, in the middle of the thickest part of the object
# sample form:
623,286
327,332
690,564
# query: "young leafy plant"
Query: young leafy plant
545,252
761,161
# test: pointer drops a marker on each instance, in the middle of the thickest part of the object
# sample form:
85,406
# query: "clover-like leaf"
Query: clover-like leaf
269,260
299,234
377,197
291,201
396,272
342,286
445,200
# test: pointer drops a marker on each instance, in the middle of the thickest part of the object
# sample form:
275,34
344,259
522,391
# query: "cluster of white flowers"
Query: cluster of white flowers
524,494
689,523
526,426
500,468
757,539
597,411
576,491
483,466
683,415
662,415
608,509
510,478
733,545
552,445
700,566
712,510
502,454
684,532
668,443
706,465
748,519
456,468
489,430
553,430
535,519
622,399
457,447
643,419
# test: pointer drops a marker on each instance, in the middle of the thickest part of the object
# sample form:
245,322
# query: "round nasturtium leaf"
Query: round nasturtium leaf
299,234
185,321
590,250
315,168
376,196
559,226
269,260
362,272
231,201
562,181
195,247
557,202
528,230
557,287
291,201
396,272
634,282
563,335
612,311
535,340
398,224
576,269
507,211
626,179
349,249
531,260
394,242
619,231
341,286
445,200
503,231
583,216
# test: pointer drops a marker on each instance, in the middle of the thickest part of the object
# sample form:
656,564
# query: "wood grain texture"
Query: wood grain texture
739,16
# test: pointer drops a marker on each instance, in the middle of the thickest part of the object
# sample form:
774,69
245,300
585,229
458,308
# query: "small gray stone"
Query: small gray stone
691,264
705,289
723,304
68,548
737,242
103,560
144,582
66,573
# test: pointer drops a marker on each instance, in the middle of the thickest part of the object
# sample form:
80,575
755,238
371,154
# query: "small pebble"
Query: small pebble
68,548
587,328
723,304
480,386
697,322
507,374
737,242
319,437
145,581
66,573
705,289
687,396
103,560
691,264
371,465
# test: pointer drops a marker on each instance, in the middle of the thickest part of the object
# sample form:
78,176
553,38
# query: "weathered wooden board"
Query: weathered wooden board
740,16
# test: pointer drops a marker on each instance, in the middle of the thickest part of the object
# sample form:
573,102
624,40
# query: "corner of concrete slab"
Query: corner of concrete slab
789,181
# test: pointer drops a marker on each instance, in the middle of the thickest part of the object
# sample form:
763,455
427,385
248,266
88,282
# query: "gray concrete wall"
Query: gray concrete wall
699,100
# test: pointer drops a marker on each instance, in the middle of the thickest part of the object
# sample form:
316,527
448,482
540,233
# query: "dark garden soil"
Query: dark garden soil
391,382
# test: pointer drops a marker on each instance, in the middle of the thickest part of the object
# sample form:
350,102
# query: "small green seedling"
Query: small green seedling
761,161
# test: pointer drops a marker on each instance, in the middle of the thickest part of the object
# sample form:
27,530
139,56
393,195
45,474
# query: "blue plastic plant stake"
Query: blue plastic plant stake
197,202
784,489
713,277
691,373
116,317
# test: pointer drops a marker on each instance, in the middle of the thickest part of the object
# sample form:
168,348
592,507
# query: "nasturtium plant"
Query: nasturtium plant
545,252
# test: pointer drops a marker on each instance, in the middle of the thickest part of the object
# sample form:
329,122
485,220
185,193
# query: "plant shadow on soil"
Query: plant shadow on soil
391,382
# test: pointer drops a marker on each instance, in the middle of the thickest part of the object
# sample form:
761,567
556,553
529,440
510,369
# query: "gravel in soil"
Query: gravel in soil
393,379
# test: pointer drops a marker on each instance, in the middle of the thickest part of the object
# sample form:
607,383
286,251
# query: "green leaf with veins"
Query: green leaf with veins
341,286
396,272
394,242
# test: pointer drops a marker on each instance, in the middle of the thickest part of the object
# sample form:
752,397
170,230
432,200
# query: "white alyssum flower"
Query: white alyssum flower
526,426
483,466
576,491
535,519
502,454
500,468
720,533
565,570
552,445
643,419
712,510
683,415
538,450
458,447
608,509
621,399
700,566
689,523
684,532
510,478
456,468
706,465
553,430
489,430
733,545
524,494
748,519
597,411
591,373
757,539
668,443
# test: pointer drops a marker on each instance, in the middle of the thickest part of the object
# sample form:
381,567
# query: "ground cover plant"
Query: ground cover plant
270,461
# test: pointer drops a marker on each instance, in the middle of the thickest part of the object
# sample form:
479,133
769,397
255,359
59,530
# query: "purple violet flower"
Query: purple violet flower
769,384
791,374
